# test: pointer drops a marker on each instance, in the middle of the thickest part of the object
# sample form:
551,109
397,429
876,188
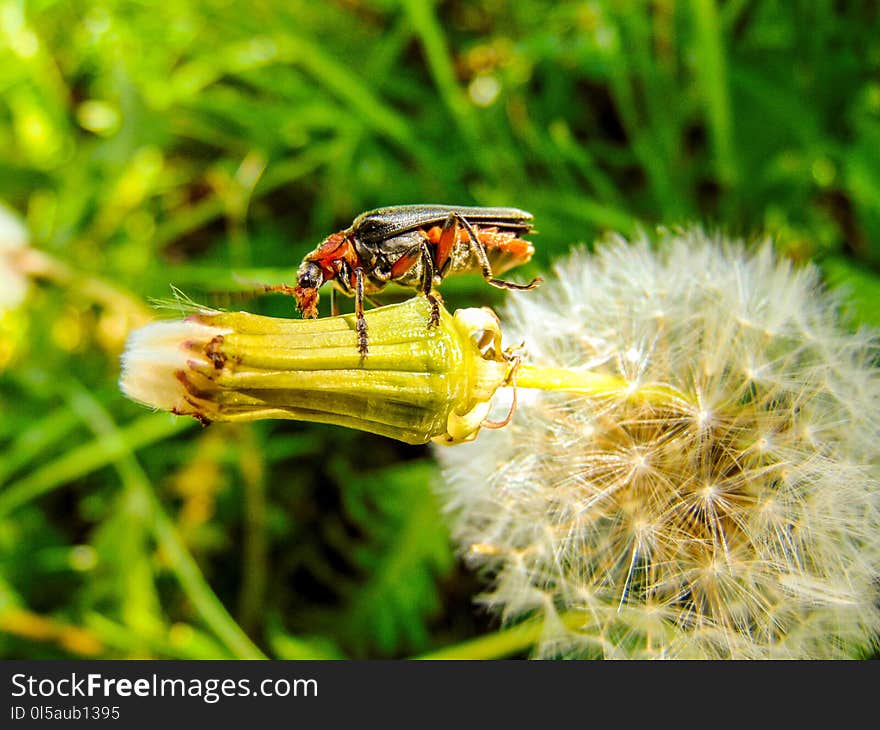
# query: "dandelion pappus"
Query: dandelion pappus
415,246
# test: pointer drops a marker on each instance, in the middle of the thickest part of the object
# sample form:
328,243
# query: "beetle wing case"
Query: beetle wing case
376,226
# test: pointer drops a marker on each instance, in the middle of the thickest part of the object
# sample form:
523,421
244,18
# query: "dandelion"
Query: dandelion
417,384
692,469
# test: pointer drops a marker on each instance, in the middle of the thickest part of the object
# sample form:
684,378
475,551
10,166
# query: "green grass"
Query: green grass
209,146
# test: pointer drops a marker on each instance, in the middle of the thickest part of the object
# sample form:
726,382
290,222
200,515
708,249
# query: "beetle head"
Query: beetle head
309,278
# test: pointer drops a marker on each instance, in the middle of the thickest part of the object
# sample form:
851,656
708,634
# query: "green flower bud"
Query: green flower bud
416,384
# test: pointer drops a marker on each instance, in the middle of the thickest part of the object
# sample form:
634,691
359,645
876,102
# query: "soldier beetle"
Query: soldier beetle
415,246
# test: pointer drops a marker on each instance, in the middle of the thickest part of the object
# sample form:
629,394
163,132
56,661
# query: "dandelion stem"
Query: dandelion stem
502,643
597,385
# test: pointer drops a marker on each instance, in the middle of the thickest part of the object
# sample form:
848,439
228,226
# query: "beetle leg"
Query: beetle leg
445,244
359,312
334,300
428,283
479,251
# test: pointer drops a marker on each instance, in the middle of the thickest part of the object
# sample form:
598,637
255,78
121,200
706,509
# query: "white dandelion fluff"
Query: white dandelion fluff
734,513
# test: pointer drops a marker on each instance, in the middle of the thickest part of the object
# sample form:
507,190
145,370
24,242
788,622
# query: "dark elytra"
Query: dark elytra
378,225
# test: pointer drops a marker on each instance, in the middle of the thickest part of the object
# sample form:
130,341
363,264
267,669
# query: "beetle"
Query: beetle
415,246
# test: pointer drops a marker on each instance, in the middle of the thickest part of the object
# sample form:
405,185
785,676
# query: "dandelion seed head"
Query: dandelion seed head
740,522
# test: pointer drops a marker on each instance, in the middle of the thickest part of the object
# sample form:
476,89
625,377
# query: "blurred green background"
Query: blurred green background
210,145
